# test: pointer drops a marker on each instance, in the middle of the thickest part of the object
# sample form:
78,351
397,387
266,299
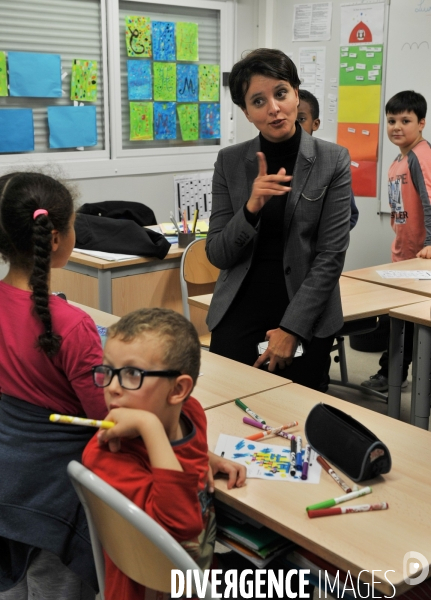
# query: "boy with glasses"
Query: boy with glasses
157,453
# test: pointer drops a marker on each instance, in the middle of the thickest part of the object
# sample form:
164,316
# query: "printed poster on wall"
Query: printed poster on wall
362,23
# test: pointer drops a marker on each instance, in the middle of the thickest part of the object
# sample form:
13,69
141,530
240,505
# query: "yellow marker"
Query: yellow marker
195,220
81,421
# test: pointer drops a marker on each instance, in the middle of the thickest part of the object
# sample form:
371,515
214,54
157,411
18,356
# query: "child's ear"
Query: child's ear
316,124
182,389
55,240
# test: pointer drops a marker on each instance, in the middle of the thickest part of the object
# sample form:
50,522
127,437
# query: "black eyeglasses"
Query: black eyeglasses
130,378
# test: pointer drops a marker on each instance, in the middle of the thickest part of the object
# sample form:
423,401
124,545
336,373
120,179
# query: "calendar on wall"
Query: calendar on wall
193,191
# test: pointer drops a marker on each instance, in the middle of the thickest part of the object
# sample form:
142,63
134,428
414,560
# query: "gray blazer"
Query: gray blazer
316,222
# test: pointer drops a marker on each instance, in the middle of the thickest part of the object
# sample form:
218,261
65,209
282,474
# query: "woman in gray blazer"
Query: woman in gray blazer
279,229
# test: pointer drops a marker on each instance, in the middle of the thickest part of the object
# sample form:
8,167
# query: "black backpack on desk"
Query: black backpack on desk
121,209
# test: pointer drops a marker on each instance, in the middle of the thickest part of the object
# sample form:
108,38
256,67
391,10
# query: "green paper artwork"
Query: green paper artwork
83,85
141,121
187,41
209,83
189,121
138,37
361,65
3,75
165,81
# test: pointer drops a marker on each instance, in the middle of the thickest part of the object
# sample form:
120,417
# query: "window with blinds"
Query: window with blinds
74,30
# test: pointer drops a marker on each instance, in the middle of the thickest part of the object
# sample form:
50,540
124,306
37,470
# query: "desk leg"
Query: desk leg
420,410
105,290
396,354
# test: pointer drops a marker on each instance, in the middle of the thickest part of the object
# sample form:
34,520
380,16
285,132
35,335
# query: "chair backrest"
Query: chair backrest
135,543
198,276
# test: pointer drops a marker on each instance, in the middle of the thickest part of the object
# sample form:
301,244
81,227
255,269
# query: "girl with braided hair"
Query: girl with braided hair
47,349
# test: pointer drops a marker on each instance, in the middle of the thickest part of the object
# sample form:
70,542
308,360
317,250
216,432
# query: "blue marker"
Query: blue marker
298,457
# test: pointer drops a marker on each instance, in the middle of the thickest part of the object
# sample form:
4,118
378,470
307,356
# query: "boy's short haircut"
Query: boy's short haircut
308,97
409,101
182,351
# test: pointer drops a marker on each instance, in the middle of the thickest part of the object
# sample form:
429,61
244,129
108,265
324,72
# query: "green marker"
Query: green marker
249,411
333,501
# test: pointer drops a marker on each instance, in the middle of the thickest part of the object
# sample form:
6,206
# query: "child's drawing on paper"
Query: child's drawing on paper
163,40
209,83
187,83
165,82
189,121
209,121
138,37
83,84
187,41
141,121
3,75
139,80
165,121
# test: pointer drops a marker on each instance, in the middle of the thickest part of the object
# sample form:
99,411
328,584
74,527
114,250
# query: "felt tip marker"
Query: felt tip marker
80,421
298,462
344,510
269,431
333,501
322,462
306,462
292,469
246,409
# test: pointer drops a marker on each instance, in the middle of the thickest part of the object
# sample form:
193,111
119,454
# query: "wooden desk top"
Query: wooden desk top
415,313
372,541
100,263
202,301
410,285
99,317
224,380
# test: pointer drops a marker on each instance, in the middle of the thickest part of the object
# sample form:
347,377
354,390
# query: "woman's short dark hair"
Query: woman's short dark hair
25,241
263,61
408,100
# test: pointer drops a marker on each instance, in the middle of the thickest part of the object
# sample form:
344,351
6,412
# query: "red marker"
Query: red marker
342,510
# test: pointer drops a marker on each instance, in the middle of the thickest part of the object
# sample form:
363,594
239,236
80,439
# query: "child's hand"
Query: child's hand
128,424
424,253
236,473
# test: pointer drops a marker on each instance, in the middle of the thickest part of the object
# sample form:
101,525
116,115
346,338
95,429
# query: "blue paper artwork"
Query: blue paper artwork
72,126
34,75
165,121
163,40
209,121
139,80
187,83
16,130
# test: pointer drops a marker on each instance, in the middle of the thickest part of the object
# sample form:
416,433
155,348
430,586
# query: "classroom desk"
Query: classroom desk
119,287
99,317
223,380
371,541
419,314
370,274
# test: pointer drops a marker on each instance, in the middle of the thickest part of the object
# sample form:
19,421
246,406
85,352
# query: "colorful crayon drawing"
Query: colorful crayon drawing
165,82
138,37
139,80
189,121
187,41
163,40
3,75
83,85
209,83
141,121
264,461
209,120
165,121
187,83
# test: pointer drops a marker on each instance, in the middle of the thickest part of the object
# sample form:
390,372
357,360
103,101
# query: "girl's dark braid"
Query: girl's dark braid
48,341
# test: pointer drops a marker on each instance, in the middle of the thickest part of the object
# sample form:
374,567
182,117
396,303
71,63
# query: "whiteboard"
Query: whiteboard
408,68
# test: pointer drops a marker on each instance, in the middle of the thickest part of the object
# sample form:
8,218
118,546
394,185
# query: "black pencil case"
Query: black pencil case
346,443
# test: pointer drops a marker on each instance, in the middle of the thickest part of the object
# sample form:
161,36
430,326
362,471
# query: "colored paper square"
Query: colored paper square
187,83
209,121
359,104
72,126
3,75
364,179
83,85
141,121
165,121
139,80
165,82
163,40
34,75
360,66
187,41
189,121
209,83
138,37
361,139
16,130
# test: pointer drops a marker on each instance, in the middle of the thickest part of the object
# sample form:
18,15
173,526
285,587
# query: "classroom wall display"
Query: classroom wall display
139,80
187,41
141,120
165,121
34,74
72,126
138,37
16,130
189,121
3,75
163,40
83,85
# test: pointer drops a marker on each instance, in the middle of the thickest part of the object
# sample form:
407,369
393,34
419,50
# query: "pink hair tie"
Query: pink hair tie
39,211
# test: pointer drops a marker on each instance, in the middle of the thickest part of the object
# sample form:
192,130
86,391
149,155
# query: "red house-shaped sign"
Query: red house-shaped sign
361,34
